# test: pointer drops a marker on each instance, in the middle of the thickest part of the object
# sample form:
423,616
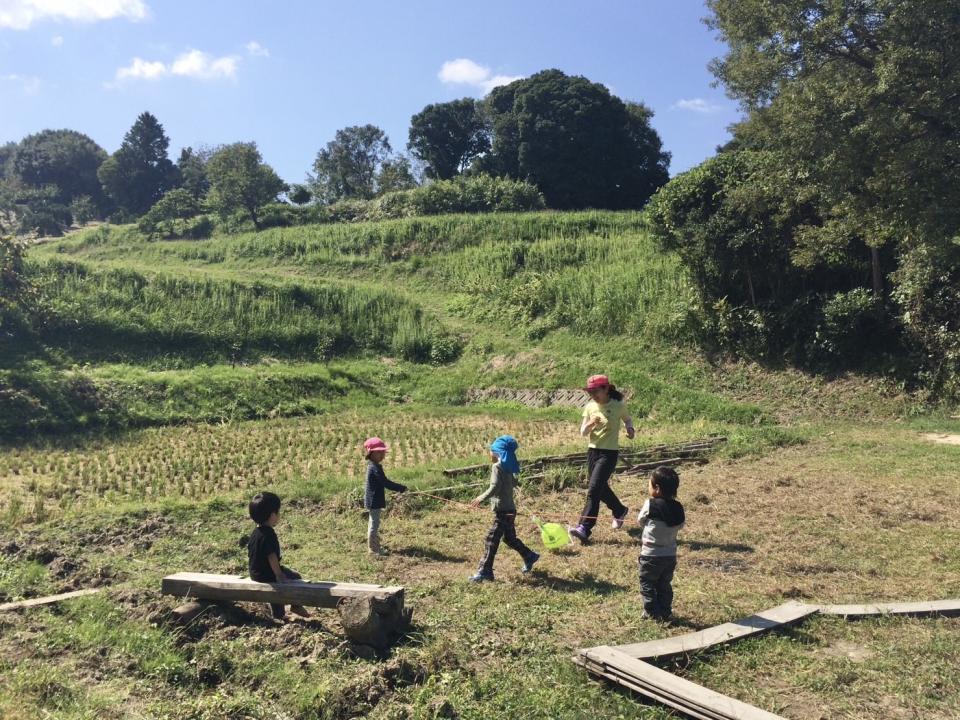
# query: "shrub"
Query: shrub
928,295
161,219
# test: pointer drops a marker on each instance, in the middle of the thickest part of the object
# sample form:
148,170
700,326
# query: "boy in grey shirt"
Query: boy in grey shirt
661,518
503,478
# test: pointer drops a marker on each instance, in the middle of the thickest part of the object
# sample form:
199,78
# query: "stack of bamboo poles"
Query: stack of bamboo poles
631,462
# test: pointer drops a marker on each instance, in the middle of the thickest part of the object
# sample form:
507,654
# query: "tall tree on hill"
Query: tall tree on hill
192,166
446,137
347,167
61,163
582,146
139,173
240,180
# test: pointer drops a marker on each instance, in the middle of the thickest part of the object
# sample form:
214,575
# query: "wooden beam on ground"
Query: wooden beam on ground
202,586
762,622
928,608
48,600
667,688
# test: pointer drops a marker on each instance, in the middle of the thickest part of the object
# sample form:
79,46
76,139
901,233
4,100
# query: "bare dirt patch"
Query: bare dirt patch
943,438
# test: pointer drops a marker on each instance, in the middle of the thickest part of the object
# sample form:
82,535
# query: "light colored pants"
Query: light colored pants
373,530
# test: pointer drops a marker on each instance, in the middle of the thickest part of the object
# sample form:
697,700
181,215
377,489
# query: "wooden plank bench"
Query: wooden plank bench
204,586
371,614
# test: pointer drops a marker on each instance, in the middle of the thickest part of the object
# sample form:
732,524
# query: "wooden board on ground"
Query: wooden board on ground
203,586
668,688
727,632
48,600
914,609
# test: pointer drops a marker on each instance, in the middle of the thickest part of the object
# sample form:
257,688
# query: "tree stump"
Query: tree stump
186,613
374,622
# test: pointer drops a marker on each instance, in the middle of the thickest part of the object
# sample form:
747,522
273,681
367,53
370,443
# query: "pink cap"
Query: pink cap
374,444
597,381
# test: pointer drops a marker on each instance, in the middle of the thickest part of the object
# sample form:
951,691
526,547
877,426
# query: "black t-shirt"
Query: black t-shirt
263,541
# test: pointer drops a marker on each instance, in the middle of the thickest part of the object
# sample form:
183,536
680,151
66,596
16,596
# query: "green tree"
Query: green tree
446,137
863,97
347,167
178,204
395,173
858,101
582,146
300,194
240,180
139,173
192,166
63,159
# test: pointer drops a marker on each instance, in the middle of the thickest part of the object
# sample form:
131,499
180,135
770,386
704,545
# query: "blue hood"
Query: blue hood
506,447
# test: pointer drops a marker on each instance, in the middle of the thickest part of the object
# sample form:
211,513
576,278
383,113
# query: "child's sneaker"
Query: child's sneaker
579,532
618,521
481,577
528,565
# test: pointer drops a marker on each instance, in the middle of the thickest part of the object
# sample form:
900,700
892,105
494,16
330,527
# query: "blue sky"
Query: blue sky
289,74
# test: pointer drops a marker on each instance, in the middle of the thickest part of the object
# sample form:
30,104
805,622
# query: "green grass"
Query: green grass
502,648
177,378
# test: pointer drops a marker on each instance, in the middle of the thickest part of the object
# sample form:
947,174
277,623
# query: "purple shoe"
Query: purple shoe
618,521
580,533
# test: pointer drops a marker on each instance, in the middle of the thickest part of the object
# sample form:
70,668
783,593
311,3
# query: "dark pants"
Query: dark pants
278,610
504,528
656,574
600,466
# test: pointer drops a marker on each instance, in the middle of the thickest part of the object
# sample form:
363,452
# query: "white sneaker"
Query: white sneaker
618,521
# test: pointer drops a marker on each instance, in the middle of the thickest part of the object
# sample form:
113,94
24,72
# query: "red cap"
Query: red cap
597,381
373,445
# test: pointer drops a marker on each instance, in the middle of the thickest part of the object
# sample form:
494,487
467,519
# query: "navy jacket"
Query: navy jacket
374,496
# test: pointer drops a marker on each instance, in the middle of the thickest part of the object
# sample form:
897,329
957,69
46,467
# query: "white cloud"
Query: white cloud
256,49
698,105
193,64
140,69
21,14
201,65
28,84
464,71
56,40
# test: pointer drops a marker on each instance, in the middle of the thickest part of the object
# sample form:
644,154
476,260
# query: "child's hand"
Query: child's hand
403,489
631,432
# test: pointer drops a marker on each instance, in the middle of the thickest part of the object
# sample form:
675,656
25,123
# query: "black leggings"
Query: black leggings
600,465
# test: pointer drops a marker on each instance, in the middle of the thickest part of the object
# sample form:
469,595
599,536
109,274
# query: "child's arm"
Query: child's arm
275,566
628,422
494,480
589,423
390,485
644,512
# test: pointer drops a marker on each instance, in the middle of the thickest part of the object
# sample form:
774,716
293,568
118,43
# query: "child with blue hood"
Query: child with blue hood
503,478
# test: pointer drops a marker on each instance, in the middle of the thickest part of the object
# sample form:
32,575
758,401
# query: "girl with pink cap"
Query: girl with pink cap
374,496
601,424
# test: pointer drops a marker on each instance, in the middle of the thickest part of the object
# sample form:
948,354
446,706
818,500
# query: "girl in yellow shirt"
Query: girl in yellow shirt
601,424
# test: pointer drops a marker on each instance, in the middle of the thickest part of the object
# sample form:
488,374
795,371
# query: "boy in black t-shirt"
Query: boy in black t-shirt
263,549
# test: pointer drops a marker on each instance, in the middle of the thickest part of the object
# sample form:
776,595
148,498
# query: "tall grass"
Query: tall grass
384,240
119,314
618,283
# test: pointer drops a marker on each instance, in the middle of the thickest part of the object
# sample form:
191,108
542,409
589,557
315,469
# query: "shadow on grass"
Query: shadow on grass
585,581
722,547
425,553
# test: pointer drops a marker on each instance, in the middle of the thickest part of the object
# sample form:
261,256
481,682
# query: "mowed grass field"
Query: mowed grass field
826,489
